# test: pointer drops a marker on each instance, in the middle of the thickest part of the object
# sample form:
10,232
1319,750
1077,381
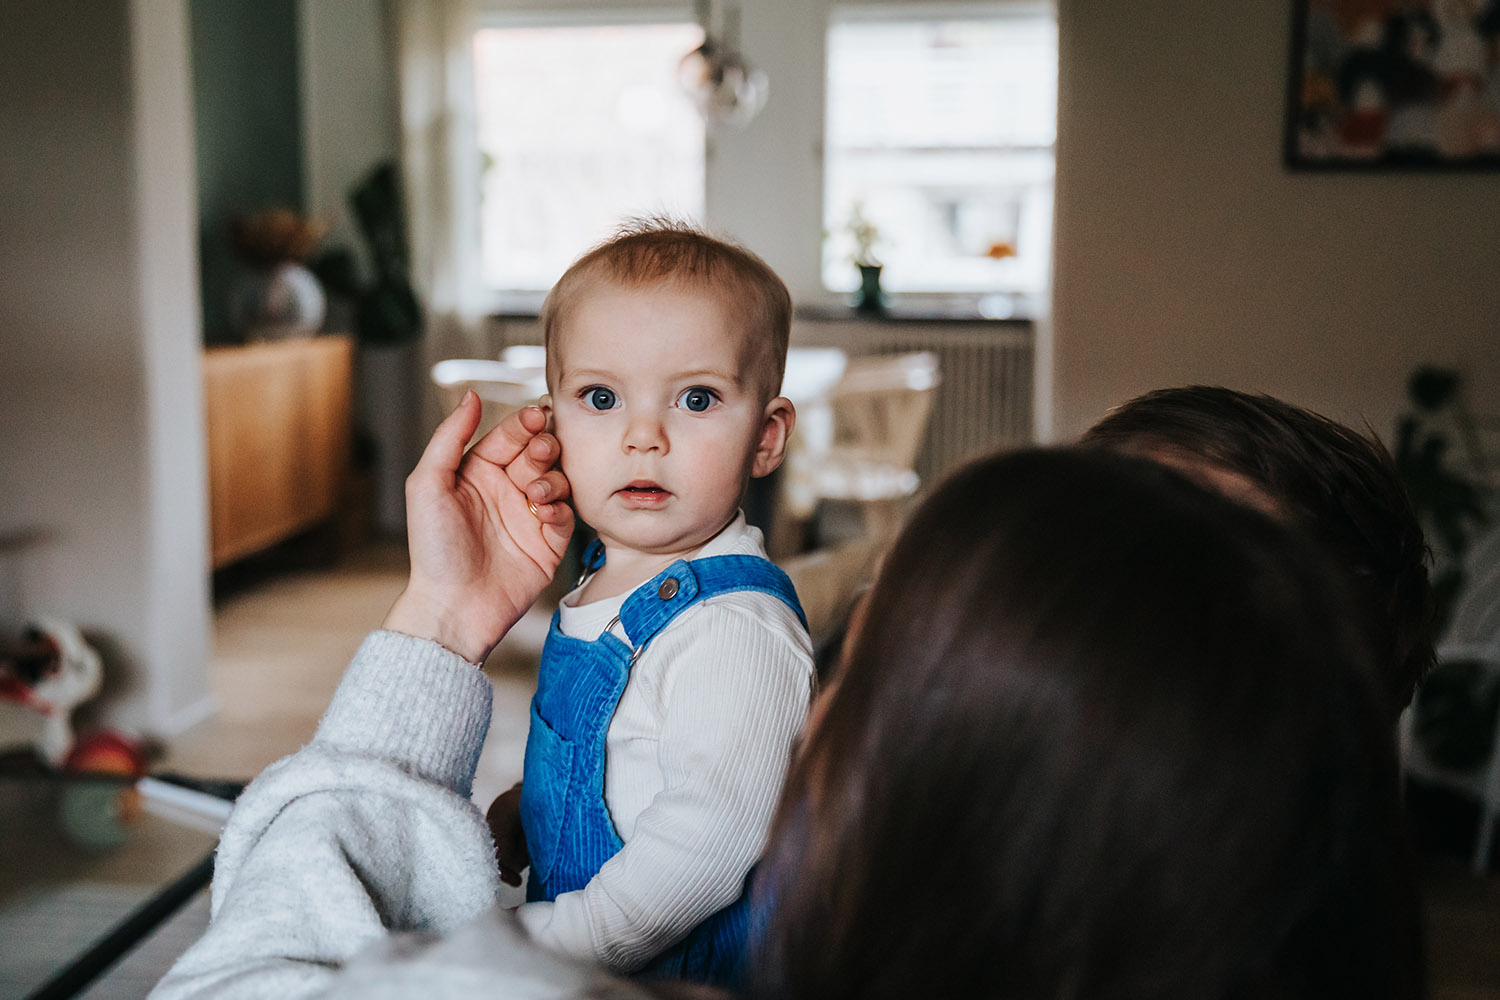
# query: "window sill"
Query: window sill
921,308
900,308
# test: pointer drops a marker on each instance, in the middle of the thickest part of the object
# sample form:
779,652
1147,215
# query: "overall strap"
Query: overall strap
655,603
593,558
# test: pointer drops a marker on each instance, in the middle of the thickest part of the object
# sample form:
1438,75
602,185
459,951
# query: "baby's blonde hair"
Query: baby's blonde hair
663,251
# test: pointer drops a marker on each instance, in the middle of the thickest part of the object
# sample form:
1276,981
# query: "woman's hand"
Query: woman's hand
480,556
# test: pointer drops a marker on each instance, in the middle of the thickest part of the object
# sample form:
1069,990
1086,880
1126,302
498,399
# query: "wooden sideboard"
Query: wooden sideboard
278,426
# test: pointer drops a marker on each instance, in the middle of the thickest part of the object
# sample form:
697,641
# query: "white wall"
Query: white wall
1186,253
102,452
349,124
349,118
765,181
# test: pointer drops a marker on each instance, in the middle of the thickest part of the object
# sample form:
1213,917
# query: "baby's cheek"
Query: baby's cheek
562,431
576,467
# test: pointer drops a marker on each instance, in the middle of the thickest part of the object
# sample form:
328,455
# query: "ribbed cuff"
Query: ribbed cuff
412,702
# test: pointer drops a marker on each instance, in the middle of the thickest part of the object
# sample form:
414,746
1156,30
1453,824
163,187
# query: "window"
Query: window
940,134
578,126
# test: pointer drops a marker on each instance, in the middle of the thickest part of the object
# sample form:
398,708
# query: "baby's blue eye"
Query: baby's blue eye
600,398
697,399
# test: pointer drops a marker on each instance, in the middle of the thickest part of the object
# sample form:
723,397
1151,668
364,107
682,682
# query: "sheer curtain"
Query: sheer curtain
440,164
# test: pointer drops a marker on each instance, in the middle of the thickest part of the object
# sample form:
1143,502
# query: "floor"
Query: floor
282,640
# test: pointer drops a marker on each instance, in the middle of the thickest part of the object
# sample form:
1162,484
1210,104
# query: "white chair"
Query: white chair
879,407
1473,634
502,386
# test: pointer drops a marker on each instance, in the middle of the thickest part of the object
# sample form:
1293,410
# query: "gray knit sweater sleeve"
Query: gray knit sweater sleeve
365,833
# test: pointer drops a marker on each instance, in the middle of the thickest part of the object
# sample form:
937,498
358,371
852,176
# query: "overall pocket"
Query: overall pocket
547,775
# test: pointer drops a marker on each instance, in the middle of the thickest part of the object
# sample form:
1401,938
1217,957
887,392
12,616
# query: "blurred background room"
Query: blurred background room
254,249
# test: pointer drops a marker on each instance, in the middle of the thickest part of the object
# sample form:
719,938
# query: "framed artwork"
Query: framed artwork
1394,84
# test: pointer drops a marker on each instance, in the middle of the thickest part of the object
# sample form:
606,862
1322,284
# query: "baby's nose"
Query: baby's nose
646,432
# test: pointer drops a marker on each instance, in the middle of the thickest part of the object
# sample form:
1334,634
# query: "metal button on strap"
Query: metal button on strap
668,588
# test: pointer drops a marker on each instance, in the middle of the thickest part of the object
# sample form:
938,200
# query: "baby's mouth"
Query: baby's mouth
643,492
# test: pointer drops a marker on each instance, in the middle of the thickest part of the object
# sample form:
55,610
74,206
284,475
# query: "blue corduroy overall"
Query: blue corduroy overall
568,827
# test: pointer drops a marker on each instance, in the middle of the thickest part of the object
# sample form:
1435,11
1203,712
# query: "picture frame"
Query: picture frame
1393,84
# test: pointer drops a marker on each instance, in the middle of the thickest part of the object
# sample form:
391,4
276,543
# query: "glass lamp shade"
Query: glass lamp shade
722,86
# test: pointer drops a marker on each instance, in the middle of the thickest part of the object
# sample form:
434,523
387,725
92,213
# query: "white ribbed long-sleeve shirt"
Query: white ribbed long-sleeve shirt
695,757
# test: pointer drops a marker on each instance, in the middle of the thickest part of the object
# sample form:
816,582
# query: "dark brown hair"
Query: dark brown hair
1339,486
656,251
1103,734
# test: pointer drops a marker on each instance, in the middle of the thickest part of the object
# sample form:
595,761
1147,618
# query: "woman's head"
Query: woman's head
1102,733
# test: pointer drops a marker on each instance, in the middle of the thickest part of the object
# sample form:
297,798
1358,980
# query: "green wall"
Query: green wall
248,114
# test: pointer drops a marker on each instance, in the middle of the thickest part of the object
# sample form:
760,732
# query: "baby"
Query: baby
678,674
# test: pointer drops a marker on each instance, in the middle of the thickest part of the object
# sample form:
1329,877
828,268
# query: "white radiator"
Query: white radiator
984,399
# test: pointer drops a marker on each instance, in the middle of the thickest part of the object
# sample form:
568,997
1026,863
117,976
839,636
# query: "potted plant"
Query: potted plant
1450,504
870,298
386,309
1455,708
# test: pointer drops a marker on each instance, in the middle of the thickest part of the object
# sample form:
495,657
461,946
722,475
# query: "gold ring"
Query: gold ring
531,506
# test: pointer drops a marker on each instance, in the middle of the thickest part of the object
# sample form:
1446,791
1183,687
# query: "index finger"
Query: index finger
446,448
509,438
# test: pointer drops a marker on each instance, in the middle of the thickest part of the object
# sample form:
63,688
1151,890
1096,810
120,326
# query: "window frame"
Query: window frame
503,14
1027,304
786,141
563,14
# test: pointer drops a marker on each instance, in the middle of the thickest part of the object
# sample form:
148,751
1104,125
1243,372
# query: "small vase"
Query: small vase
277,303
870,298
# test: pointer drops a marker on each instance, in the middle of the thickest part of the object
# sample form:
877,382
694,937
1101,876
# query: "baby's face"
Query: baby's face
658,415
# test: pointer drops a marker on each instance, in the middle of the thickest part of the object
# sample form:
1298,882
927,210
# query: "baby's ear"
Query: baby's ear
775,431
